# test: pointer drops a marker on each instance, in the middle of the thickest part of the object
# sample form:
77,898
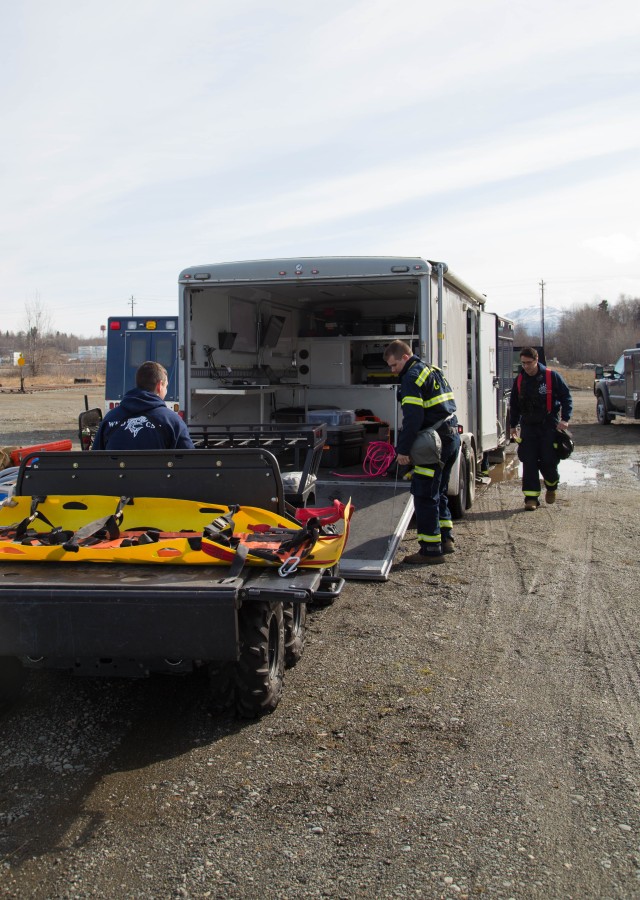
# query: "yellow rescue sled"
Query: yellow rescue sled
158,530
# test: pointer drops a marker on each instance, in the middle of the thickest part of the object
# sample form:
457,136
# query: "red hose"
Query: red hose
377,461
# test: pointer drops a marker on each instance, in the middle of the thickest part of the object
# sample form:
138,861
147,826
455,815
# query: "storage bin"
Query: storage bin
343,447
375,431
331,417
289,415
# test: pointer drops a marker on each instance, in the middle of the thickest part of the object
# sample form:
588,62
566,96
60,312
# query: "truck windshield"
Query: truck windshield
618,369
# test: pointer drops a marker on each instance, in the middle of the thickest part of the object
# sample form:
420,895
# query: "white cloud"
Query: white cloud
619,248
545,144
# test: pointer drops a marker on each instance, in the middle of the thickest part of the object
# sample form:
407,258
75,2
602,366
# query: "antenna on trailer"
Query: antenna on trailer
542,312
132,302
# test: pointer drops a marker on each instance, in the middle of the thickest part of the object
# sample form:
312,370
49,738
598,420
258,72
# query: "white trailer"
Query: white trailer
264,339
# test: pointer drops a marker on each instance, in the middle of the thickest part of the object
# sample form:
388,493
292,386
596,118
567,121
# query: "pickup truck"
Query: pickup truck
617,390
130,619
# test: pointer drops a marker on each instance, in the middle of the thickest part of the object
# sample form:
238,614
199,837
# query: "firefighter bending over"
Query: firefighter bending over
427,401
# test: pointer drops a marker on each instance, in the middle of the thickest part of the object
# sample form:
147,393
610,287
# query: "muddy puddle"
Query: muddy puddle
572,472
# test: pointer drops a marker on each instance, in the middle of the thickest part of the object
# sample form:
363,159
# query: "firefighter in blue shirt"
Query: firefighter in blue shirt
427,400
143,421
541,405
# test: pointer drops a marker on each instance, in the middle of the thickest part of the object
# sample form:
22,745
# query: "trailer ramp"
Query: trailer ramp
383,511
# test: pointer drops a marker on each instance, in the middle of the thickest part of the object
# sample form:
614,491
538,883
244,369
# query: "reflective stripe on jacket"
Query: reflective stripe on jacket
426,397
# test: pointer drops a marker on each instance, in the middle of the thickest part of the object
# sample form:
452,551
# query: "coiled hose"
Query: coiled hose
377,461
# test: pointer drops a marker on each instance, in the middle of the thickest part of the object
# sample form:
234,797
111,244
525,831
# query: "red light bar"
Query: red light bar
114,326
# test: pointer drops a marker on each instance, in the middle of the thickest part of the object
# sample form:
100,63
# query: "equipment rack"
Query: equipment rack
297,447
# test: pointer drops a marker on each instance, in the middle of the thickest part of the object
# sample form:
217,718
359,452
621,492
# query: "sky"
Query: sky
142,137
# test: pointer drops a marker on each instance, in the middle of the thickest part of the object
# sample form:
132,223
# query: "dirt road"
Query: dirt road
469,731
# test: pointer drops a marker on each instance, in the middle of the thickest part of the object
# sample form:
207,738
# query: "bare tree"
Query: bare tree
522,337
627,311
597,333
37,333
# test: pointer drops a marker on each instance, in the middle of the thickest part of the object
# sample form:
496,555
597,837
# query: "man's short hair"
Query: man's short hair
149,374
529,353
396,350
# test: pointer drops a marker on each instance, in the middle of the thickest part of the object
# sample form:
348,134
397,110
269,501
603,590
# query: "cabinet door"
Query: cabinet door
325,362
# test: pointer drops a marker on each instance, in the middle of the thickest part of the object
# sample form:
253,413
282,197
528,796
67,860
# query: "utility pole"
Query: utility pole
542,313
132,302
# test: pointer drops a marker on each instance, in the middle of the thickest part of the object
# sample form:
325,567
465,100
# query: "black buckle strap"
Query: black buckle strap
107,527
221,528
238,561
21,528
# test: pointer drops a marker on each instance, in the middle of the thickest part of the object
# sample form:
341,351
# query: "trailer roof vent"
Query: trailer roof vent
399,268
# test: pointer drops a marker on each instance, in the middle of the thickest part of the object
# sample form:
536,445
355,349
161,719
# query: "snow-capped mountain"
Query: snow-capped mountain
529,318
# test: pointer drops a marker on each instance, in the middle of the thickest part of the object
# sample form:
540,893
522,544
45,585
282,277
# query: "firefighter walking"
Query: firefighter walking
427,400
540,405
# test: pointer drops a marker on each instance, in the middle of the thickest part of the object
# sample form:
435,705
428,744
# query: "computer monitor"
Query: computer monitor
273,330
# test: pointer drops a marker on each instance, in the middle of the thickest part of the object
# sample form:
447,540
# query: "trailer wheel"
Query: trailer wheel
458,503
295,619
12,677
259,672
602,415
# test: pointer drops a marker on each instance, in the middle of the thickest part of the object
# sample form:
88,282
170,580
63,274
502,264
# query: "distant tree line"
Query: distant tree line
595,332
56,341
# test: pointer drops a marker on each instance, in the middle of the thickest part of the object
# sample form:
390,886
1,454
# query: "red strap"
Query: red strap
326,514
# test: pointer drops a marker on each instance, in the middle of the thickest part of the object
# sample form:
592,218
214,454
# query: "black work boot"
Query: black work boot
424,559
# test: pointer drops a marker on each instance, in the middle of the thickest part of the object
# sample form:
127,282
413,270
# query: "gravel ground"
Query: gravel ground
463,732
